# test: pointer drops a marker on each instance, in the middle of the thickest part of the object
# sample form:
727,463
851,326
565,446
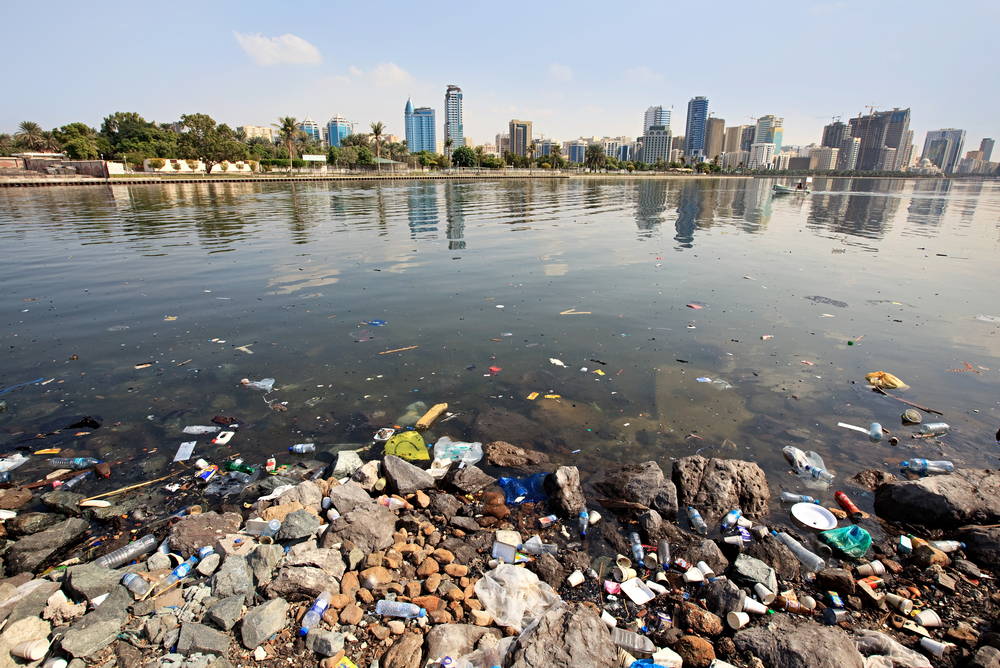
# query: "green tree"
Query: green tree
356,141
6,144
176,164
50,143
448,143
594,156
377,129
240,136
555,150
464,157
29,135
157,164
333,155
288,129
208,141
365,156
532,149
348,156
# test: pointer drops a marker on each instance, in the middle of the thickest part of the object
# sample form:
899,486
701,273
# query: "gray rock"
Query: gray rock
636,483
269,483
327,644
465,523
501,453
986,657
464,550
330,561
967,496
405,652
788,643
549,570
264,621
306,492
650,522
88,581
63,501
233,579
983,547
143,608
32,551
367,475
469,479
370,528
208,565
158,560
747,571
226,612
194,532
32,604
567,637
774,553
723,596
565,493
199,638
665,500
966,568
299,524
98,629
405,478
29,523
263,560
455,639
716,486
347,463
445,504
347,497
307,580
707,551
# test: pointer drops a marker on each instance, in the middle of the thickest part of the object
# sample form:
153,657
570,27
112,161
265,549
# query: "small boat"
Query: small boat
785,190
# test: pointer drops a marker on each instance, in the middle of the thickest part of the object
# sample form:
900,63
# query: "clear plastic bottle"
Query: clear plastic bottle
696,521
636,547
72,463
491,658
729,521
631,642
788,497
584,520
240,477
199,430
123,555
663,553
934,429
399,609
311,618
393,504
266,384
820,474
926,467
303,448
76,480
182,571
875,432
947,545
135,584
273,527
811,561
4,476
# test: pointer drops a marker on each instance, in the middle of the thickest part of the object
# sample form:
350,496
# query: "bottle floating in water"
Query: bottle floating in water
267,384
636,547
933,429
72,463
696,521
584,520
788,497
947,545
238,465
311,618
76,480
875,432
820,474
399,609
729,521
302,448
123,555
927,467
199,430
135,584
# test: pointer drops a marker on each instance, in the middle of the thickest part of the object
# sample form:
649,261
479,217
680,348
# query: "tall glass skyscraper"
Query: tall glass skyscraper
311,128
694,132
655,116
337,129
419,124
453,128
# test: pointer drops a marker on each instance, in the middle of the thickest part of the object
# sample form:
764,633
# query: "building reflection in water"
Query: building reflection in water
422,210
454,210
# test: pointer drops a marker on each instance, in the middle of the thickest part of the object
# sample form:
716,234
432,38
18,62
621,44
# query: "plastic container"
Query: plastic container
302,448
179,573
729,521
399,609
584,520
928,467
811,561
875,432
696,521
393,504
266,384
663,553
788,497
75,480
198,430
123,555
933,429
12,462
135,584
72,463
820,474
786,605
638,646
636,547
273,527
241,477
311,618
238,465
947,545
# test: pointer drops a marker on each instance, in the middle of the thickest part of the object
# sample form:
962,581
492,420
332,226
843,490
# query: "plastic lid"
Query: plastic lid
303,632
906,464
423,613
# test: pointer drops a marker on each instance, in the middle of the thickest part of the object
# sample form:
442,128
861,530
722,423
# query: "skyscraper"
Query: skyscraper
747,138
655,116
714,135
694,131
948,160
311,128
453,128
734,134
879,131
986,146
337,129
769,131
847,157
520,137
419,128
834,133
656,145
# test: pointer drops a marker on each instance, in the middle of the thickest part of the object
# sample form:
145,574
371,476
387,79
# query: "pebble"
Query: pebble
259,654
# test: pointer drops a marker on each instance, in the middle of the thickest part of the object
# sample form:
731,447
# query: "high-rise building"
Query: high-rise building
834,133
735,159
656,145
956,142
880,130
904,152
973,155
261,131
896,134
761,156
311,128
747,138
655,116
694,131
715,130
769,131
575,150
336,129
503,143
734,134
824,158
453,127
847,157
986,146
520,137
419,128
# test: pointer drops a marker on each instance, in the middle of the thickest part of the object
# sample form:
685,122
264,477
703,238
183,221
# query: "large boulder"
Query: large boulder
88,581
299,524
31,552
235,578
194,532
306,492
983,547
502,453
469,479
455,639
716,486
967,496
569,636
748,571
98,629
307,580
638,483
405,652
565,493
788,643
346,498
331,561
370,528
405,478
707,551
264,621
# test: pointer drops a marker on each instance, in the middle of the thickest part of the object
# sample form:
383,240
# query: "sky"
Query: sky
573,69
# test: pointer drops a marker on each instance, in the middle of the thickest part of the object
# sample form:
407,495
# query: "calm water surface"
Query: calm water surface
260,280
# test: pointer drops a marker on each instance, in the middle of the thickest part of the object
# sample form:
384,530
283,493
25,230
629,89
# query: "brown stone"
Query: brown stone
422,499
395,587
340,601
375,577
487,522
835,579
696,652
926,555
443,556
406,548
456,570
372,560
349,583
351,615
379,631
458,533
13,499
392,560
499,511
432,582
428,603
701,621
331,616
470,590
427,528
481,618
464,582
427,567
493,498
455,594
471,604
413,589
396,627
441,616
405,652
365,596
281,512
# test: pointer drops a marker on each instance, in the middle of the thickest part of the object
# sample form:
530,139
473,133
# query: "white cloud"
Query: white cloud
275,50
385,75
560,72
642,75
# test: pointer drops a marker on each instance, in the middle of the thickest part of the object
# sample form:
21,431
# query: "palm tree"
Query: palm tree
377,128
6,144
532,148
594,157
480,152
29,135
240,136
447,147
556,152
288,130
49,142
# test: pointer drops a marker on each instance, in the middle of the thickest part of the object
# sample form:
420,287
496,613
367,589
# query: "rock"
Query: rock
835,579
200,638
30,552
325,643
29,523
88,581
427,567
209,564
716,486
375,577
306,492
233,579
458,570
405,652
871,479
23,630
967,496
707,551
330,561
497,510
369,528
428,603
262,622
967,568
565,493
502,453
445,504
128,656
351,615
469,479
367,475
98,629
747,571
226,612
464,523
569,636
346,464
405,478
281,512
790,643
986,657
983,547
549,570
14,499
263,560
636,483
774,553
299,524
396,627
63,501
927,555
696,652
193,532
963,633
307,580
455,639
701,621
650,522
723,597
665,501
347,497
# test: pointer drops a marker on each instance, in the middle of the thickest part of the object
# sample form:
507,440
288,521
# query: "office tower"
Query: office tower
336,129
655,116
847,158
656,145
735,159
973,155
311,128
419,128
520,137
694,131
453,127
904,152
734,134
715,130
823,158
896,134
769,131
575,150
986,146
878,131
761,156
834,133
747,138
948,160
503,143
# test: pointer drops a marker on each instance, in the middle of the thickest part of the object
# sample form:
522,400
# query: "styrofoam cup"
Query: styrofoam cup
737,620
608,620
874,568
808,602
55,662
763,593
904,605
650,561
623,561
694,575
705,569
934,647
594,517
928,618
754,607
32,650
575,579
743,522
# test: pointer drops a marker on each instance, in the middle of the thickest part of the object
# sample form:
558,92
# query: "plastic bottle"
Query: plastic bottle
696,521
238,465
933,429
76,480
729,521
788,497
312,617
241,477
135,584
393,504
198,430
794,607
820,474
71,463
126,554
947,545
925,467
584,519
636,547
875,432
631,642
811,561
273,527
663,553
181,571
267,384
399,609
302,448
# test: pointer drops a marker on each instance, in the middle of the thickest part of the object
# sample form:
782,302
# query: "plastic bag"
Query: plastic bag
886,381
800,460
873,643
514,596
467,453
267,384
408,445
525,490
852,541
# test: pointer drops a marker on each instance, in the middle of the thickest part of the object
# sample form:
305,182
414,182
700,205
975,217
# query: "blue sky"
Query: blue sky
582,68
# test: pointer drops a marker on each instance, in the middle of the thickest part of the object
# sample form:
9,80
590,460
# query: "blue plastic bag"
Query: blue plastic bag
525,490
645,663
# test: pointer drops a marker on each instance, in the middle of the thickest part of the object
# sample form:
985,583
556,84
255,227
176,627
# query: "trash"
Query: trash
911,416
852,510
583,519
494,370
267,384
575,579
198,431
74,464
809,465
12,462
696,521
766,337
514,596
447,450
934,647
827,300
924,467
947,545
399,609
811,561
534,545
694,306
887,381
408,445
636,547
524,490
928,618
875,432
32,382
95,503
31,650
788,497
315,613
122,556
932,429
853,541
633,643
184,451
135,584
812,517
223,437
433,414
556,362
374,322
904,605
532,396
737,620
302,448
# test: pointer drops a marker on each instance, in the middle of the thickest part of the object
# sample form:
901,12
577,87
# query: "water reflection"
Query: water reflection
454,207
422,210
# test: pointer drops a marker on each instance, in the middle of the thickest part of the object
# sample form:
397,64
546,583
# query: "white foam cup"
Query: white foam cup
705,569
808,602
694,575
754,607
623,561
737,620
575,579
763,593
594,517
934,647
904,605
928,618
608,620
32,650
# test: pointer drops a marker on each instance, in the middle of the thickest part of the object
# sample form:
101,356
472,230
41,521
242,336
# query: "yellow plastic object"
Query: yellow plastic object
408,445
884,380
433,414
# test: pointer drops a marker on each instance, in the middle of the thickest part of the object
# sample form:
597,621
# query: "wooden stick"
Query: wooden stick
398,350
908,403
125,489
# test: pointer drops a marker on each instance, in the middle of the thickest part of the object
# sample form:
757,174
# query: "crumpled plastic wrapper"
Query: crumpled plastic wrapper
885,381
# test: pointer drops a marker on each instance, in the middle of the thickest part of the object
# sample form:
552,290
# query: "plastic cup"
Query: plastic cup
55,662
650,561
694,575
575,579
904,605
928,618
737,620
705,569
754,607
608,620
32,650
763,593
874,568
623,561
934,647
808,602
594,517
744,522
